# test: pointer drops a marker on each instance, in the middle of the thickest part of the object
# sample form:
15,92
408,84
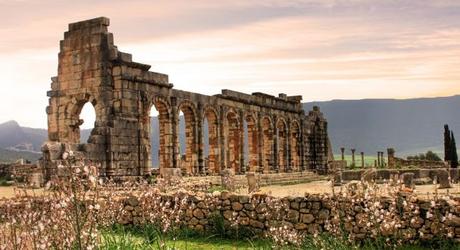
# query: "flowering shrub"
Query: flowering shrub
77,205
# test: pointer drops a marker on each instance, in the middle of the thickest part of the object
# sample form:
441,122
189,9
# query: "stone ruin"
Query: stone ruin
281,137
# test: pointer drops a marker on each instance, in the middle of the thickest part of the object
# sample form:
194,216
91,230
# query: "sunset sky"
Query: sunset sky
320,49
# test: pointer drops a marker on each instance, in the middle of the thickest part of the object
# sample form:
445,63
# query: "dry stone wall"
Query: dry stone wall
282,138
407,218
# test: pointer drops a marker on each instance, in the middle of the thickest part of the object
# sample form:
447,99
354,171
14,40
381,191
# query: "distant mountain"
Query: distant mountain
12,156
371,125
17,138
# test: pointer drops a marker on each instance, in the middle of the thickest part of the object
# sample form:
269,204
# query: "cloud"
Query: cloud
321,49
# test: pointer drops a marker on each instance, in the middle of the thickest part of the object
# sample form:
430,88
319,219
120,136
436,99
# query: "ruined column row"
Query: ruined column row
281,138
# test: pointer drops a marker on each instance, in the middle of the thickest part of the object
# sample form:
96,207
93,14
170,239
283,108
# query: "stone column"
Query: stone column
302,146
378,159
342,151
362,159
260,143
382,159
174,133
199,141
391,157
353,163
242,166
287,157
275,146
222,139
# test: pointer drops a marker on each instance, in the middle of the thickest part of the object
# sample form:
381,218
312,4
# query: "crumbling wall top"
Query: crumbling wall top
95,22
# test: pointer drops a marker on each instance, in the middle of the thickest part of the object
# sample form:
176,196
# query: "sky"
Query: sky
320,49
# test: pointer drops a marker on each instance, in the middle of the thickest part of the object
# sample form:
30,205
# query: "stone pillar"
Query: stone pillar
287,157
391,158
382,160
375,163
175,138
242,166
353,163
342,151
378,159
200,144
302,146
362,159
275,146
260,144
222,139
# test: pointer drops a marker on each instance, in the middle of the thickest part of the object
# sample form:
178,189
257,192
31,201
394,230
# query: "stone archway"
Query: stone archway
253,146
267,145
281,133
233,130
294,142
211,115
189,159
73,116
165,133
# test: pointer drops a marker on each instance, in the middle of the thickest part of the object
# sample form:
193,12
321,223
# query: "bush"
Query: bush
428,156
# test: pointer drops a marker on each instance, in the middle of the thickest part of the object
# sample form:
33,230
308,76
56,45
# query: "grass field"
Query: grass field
120,237
368,160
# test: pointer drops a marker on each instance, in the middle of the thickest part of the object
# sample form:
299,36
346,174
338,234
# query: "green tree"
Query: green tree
428,156
431,156
453,152
447,143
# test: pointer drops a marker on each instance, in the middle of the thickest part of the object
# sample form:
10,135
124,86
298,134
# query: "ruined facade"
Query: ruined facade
281,138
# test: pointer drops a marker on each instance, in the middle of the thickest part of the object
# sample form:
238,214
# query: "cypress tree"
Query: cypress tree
447,143
453,152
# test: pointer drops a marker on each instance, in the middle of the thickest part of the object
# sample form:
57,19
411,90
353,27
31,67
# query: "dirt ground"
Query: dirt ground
316,187
8,192
319,187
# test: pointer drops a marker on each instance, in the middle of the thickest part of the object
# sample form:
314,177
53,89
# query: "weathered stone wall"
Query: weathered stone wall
385,174
396,162
92,70
263,179
417,218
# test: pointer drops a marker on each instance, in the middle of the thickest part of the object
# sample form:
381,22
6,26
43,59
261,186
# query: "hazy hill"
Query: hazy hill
410,126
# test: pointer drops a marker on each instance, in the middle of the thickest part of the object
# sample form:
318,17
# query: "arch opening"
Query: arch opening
188,147
282,145
154,131
295,147
158,126
234,150
211,142
267,145
251,143
87,121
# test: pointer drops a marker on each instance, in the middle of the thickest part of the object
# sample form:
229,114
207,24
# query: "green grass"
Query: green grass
216,188
4,182
149,237
368,160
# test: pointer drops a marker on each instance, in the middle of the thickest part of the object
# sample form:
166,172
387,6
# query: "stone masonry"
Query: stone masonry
282,138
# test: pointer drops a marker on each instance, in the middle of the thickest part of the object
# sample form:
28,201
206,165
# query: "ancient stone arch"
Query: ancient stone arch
92,69
282,144
213,160
267,145
294,143
189,158
253,137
